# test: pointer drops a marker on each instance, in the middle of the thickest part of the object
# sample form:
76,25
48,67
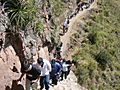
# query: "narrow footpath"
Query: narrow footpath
71,82
73,25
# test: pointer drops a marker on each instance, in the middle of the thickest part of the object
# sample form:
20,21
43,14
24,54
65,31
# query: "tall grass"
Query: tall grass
102,50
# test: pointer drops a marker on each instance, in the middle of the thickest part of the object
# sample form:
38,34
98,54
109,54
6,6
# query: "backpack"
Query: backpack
34,73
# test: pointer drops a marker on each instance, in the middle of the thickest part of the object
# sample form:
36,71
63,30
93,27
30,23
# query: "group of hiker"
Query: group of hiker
80,7
43,71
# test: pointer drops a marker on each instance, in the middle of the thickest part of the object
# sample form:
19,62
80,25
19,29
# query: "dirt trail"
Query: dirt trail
73,25
71,82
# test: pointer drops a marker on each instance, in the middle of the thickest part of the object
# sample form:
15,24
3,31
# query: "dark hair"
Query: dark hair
25,65
64,60
53,61
40,60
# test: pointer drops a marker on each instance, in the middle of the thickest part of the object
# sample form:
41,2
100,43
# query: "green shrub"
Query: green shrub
39,27
103,58
101,52
57,7
20,13
92,38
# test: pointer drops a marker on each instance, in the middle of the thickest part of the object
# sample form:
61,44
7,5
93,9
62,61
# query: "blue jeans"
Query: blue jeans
44,80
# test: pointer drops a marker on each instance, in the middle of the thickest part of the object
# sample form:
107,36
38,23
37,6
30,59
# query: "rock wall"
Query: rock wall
9,52
9,62
10,67
9,47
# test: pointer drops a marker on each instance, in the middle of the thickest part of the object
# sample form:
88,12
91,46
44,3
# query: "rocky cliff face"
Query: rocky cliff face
15,47
9,62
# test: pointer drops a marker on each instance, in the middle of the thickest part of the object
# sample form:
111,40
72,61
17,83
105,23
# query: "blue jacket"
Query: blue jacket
56,68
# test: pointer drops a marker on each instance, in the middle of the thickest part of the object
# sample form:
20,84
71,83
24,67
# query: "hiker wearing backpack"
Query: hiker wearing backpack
32,73
55,73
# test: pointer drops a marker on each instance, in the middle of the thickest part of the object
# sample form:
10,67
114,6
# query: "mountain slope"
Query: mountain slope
100,51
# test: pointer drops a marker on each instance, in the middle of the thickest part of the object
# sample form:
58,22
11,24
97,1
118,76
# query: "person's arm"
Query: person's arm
21,77
59,67
36,80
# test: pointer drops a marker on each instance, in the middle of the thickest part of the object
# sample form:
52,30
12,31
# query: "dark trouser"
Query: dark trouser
44,80
55,79
64,73
68,72
65,28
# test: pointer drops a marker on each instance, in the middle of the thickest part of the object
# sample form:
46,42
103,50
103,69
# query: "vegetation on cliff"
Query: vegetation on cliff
98,59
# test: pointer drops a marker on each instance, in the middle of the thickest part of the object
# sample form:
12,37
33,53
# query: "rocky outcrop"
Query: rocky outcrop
9,62
10,67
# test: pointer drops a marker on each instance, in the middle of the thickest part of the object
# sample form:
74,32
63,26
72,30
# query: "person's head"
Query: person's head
53,61
26,66
64,60
40,61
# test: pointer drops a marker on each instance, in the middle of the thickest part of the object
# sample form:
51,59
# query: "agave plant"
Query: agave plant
20,12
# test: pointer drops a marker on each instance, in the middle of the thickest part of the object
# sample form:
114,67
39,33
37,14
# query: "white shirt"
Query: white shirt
65,67
46,68
66,22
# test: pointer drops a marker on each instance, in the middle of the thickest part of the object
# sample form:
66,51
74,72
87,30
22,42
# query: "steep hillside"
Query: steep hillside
98,57
33,28
75,30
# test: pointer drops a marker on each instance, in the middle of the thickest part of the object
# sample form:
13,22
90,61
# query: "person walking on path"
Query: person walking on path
32,74
64,69
45,67
65,25
55,73
69,63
